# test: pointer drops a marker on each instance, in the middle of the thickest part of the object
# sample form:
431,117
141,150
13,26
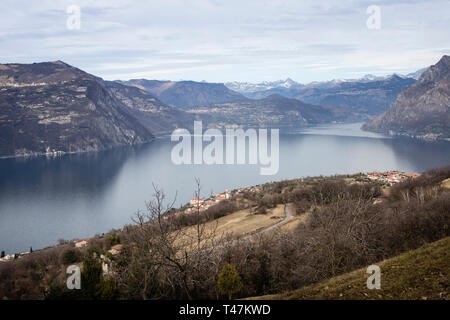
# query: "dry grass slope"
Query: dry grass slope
240,223
446,184
416,275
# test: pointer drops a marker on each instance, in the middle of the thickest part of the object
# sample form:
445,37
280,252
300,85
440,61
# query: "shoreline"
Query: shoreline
367,175
293,130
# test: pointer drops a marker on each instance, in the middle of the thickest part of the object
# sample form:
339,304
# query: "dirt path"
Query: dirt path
276,225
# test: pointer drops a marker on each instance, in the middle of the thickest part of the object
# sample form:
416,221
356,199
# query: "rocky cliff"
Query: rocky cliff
153,114
423,109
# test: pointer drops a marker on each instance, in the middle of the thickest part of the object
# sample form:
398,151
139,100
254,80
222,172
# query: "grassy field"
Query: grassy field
422,274
446,183
243,222
239,223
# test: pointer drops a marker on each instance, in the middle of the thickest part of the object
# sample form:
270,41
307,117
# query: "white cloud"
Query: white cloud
227,40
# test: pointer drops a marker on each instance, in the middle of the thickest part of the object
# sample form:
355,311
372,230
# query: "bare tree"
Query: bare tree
160,254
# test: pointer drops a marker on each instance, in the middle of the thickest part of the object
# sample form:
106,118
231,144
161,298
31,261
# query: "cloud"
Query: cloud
227,40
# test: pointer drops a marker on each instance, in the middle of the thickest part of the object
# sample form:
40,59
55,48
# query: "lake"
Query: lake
76,196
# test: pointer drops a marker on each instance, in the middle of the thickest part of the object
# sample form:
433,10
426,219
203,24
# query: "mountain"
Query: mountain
423,109
416,75
186,94
54,108
369,95
156,116
247,87
273,111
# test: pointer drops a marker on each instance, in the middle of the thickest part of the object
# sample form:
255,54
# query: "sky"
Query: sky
220,41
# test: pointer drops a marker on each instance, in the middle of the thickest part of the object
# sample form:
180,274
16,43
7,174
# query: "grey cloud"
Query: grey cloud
220,40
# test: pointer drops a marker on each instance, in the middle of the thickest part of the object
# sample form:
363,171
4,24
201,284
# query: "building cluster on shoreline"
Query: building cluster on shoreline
391,177
200,205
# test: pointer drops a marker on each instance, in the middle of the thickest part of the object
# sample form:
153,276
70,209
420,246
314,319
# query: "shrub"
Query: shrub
70,255
113,239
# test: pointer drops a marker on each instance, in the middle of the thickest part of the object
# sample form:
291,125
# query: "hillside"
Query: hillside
186,94
332,227
54,108
416,275
153,114
274,111
422,110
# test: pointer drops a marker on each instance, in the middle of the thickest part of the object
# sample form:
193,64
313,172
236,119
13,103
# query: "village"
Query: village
201,205
391,177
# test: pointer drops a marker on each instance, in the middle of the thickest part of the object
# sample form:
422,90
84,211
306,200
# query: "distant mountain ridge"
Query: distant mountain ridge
186,94
249,87
423,109
370,95
273,111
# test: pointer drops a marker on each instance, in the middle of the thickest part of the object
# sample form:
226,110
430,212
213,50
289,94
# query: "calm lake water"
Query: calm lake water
76,196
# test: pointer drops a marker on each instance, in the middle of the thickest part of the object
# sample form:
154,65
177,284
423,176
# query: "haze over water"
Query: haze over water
76,196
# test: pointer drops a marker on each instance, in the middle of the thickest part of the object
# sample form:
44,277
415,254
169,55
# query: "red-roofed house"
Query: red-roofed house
115,249
82,243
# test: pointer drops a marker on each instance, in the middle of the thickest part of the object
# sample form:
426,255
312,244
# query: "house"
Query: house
115,249
391,177
81,244
8,257
413,175
196,201
220,197
223,196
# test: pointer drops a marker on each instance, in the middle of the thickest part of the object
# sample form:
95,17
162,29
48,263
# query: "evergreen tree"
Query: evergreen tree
230,281
91,276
